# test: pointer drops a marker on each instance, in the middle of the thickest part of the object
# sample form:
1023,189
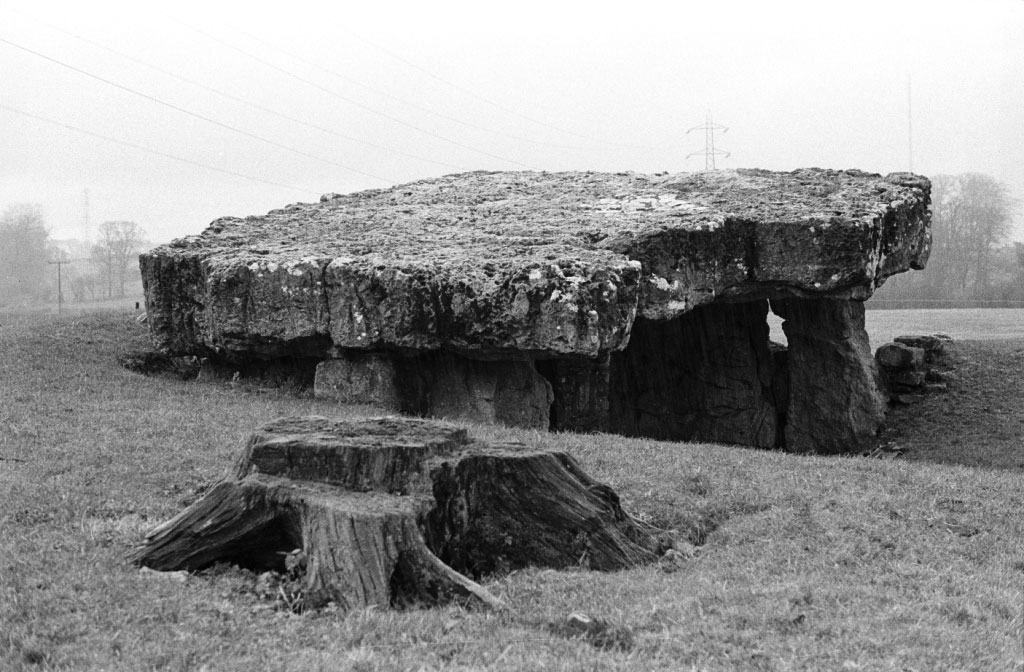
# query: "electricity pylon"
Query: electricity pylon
709,152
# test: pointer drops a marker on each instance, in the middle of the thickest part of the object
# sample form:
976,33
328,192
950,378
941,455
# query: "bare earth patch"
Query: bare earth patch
979,421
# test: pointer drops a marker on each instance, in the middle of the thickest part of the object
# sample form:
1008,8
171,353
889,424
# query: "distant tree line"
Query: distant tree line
103,268
115,255
971,263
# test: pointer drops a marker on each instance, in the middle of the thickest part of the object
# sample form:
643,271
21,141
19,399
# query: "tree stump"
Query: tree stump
394,511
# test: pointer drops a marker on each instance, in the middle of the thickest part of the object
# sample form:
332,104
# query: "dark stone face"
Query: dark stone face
836,398
710,375
704,376
713,375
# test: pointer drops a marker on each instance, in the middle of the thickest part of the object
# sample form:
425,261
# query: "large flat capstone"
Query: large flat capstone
553,271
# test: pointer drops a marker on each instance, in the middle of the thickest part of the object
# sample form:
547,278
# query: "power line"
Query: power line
193,114
495,104
243,101
351,101
152,151
410,103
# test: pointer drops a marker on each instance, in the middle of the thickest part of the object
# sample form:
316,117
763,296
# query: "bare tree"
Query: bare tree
83,286
23,253
117,248
971,220
971,216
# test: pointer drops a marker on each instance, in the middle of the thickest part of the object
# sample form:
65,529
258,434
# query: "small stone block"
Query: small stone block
899,356
925,341
358,379
937,347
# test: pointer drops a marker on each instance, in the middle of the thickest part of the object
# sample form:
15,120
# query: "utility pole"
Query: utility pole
60,261
709,152
86,233
910,131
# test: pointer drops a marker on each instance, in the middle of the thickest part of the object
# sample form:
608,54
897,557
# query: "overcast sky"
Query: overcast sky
177,116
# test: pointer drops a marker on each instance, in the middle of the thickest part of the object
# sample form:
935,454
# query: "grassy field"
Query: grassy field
962,324
74,308
796,563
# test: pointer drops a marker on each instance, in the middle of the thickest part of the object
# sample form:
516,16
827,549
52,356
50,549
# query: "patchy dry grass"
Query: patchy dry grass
801,563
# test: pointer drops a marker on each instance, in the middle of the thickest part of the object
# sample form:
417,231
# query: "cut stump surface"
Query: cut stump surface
395,511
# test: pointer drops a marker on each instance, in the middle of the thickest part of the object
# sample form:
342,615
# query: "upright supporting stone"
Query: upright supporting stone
510,393
836,403
705,376
581,393
441,385
358,378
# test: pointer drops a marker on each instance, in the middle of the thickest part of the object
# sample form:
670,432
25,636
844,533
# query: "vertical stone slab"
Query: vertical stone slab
836,403
704,376
441,385
510,393
581,393
358,378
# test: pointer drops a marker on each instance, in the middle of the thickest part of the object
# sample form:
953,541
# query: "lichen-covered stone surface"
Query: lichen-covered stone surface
526,264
